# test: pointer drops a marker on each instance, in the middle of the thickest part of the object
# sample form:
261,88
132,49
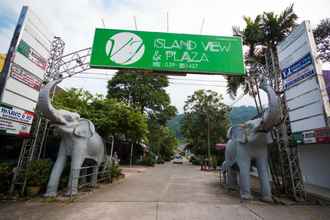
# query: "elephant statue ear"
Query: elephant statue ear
85,128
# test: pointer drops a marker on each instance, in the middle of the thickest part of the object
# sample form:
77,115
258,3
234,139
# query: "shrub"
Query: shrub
148,161
195,160
38,172
160,160
167,158
115,170
5,177
214,162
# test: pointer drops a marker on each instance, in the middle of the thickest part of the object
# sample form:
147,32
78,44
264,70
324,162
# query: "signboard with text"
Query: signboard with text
15,114
15,121
13,127
306,97
167,52
23,73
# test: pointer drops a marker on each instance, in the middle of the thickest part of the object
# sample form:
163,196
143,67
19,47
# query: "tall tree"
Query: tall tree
205,121
144,92
275,28
147,94
262,35
252,36
162,142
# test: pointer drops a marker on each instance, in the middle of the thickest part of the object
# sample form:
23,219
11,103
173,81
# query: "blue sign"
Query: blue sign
305,75
297,66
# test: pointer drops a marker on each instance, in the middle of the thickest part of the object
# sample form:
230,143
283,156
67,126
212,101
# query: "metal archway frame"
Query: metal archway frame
69,64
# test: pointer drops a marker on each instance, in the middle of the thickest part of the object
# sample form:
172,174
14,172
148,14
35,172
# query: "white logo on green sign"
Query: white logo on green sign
124,48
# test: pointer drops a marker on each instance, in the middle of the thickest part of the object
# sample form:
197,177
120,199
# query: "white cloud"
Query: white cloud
75,21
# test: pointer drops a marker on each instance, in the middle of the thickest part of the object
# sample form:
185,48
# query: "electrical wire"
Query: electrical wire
237,100
198,80
170,78
174,83
196,84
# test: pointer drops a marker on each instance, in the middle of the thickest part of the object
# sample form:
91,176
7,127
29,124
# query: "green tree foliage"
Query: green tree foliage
276,27
74,100
203,110
237,115
262,35
144,92
162,142
109,116
147,94
119,119
175,126
322,38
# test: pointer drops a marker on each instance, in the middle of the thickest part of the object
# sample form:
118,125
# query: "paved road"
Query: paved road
166,192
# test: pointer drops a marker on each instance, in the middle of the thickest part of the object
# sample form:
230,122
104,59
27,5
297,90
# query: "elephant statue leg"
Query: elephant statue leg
76,163
231,178
83,173
264,180
244,179
94,176
56,173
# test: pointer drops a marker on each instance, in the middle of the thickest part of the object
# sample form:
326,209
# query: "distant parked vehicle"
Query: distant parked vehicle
178,159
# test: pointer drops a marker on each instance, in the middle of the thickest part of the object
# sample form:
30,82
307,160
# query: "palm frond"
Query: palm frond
237,31
233,84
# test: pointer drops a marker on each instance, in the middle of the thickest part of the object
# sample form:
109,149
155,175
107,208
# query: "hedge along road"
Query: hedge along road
165,192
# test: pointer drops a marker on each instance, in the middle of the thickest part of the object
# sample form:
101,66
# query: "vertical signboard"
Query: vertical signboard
304,86
23,73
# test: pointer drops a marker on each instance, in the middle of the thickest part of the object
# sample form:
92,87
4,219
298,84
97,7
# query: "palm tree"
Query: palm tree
251,36
265,32
275,28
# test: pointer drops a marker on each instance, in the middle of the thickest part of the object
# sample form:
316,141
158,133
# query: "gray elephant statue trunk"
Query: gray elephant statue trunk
249,141
79,140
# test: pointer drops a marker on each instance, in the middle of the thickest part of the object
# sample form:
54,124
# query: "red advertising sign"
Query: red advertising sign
322,135
22,75
14,127
32,55
326,76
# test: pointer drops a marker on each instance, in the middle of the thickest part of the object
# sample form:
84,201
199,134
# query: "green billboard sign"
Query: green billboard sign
167,52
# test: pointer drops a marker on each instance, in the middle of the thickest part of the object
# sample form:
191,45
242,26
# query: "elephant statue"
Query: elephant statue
79,140
248,142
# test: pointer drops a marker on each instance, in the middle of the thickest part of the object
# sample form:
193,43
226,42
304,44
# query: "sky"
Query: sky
75,21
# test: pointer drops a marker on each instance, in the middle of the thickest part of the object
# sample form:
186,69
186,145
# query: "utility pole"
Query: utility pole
206,111
131,158
208,137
